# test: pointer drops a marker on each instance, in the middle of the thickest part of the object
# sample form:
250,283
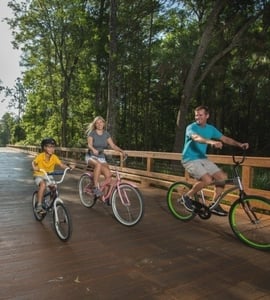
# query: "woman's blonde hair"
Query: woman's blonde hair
92,125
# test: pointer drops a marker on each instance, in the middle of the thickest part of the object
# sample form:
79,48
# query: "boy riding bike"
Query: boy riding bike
47,161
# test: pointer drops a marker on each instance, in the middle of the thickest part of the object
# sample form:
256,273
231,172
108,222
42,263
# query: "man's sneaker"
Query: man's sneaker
218,210
40,209
188,203
97,192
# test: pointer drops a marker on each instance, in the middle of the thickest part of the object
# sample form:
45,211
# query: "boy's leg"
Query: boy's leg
41,183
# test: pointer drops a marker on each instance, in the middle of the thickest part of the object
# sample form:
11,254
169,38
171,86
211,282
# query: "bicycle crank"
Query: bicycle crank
202,210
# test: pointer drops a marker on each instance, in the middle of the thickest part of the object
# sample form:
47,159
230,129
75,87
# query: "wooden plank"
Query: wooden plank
160,258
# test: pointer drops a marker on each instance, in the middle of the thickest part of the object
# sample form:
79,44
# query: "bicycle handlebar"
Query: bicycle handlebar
102,152
58,172
239,162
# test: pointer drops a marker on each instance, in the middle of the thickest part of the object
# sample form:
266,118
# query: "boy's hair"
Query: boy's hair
47,141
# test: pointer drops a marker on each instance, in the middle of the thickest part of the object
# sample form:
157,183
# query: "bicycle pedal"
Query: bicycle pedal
197,205
107,202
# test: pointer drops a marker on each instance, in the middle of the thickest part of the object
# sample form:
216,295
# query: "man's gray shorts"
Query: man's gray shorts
199,167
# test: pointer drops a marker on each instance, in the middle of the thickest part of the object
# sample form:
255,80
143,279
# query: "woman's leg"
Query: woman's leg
106,172
96,165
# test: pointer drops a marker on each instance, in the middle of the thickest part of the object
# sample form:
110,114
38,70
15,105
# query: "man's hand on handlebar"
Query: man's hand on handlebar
244,146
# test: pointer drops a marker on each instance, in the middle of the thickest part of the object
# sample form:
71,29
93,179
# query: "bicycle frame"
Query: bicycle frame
113,184
235,181
237,185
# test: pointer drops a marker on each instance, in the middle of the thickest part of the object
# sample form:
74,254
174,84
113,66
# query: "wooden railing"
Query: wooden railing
162,168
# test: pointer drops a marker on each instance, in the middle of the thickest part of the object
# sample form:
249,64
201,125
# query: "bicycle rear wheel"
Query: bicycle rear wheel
175,203
86,185
250,221
127,204
62,222
39,217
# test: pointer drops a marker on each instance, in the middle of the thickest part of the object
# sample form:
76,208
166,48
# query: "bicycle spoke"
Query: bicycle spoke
250,221
175,202
62,222
127,205
87,197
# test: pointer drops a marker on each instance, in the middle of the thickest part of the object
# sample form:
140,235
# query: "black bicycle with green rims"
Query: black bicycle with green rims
249,215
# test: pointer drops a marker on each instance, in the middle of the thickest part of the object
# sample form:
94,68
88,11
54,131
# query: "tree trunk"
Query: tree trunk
112,101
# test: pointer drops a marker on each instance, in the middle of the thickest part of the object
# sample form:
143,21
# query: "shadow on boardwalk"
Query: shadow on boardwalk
160,258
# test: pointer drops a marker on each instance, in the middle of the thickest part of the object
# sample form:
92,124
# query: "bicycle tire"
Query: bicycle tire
38,217
62,223
86,185
131,210
254,231
175,203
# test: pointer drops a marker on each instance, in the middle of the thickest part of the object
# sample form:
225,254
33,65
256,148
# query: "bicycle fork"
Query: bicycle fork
56,201
123,196
249,212
246,205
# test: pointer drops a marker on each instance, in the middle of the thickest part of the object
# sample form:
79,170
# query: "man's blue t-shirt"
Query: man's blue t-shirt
194,150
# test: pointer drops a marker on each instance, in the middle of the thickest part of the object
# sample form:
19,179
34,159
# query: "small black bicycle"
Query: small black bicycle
52,203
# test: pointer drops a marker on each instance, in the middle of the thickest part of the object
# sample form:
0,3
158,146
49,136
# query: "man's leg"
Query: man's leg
204,181
219,176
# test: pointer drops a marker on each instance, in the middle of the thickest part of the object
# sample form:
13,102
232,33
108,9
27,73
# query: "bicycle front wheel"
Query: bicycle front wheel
87,196
175,203
127,204
62,222
250,221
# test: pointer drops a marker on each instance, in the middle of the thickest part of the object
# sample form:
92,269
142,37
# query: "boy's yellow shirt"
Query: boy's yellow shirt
48,166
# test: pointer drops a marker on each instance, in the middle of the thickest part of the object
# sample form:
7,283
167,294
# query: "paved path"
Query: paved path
161,258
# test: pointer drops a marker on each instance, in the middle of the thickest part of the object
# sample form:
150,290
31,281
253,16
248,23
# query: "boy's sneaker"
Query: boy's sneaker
40,209
218,210
97,192
188,203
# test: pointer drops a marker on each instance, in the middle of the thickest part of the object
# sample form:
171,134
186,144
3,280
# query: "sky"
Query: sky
9,57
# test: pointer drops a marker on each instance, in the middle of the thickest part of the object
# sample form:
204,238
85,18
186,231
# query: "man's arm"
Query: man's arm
229,141
199,139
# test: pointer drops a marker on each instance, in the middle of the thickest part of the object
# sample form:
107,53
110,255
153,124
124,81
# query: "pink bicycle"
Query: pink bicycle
124,197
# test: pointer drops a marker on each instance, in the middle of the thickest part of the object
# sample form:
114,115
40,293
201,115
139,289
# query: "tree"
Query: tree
17,97
196,75
53,37
112,75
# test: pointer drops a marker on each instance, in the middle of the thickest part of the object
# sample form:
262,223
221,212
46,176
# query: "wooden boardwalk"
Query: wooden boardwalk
160,258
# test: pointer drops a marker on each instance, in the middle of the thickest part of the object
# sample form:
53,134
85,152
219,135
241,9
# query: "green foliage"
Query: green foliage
261,179
67,63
